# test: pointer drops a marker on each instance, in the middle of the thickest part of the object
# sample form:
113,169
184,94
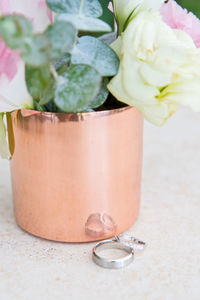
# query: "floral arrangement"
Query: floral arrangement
69,56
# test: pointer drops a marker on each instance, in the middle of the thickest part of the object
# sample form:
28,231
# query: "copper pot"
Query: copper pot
76,177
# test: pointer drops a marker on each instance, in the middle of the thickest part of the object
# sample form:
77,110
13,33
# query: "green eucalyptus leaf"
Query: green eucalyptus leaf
83,23
62,37
89,8
77,88
14,30
48,93
38,107
36,51
37,80
62,64
99,99
102,96
92,51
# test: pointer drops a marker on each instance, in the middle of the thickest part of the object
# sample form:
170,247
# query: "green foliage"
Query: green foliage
62,36
93,52
14,30
38,107
37,80
89,8
36,51
47,93
107,15
191,5
77,88
102,96
85,24
65,69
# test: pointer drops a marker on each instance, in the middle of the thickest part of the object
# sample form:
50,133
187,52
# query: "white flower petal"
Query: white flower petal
185,92
14,94
159,113
139,89
159,68
4,149
154,76
125,9
35,12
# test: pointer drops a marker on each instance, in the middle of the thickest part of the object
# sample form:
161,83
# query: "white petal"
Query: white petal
153,76
159,113
185,92
35,13
14,94
134,84
4,149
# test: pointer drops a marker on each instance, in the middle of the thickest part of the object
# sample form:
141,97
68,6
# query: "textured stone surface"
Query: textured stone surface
31,268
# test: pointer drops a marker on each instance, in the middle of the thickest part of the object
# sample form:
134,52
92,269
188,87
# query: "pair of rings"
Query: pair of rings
124,242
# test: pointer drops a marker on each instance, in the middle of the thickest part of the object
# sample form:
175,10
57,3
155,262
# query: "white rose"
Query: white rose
159,68
126,10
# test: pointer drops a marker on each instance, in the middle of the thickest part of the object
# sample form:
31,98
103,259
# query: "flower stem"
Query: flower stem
54,73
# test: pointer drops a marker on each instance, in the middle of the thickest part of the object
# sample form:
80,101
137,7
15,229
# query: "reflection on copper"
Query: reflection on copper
99,224
108,222
94,226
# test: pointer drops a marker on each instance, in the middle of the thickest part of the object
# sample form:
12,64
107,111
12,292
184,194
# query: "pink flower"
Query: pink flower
5,7
8,61
178,18
8,58
34,10
110,7
42,5
13,90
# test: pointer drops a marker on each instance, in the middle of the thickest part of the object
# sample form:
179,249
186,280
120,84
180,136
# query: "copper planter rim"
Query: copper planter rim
74,116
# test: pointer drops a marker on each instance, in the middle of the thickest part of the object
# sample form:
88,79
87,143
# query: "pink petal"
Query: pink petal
8,61
178,18
110,7
5,7
42,4
167,14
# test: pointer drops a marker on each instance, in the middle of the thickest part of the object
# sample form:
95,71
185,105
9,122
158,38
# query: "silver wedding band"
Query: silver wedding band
112,263
124,242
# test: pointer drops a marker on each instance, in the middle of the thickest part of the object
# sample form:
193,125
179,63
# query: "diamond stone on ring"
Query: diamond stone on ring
124,242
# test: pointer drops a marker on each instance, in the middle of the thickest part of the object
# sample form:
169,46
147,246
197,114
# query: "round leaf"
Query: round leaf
48,93
37,80
36,51
102,96
87,24
77,88
62,36
14,29
94,52
89,8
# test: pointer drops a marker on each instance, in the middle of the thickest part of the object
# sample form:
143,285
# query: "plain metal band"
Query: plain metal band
112,263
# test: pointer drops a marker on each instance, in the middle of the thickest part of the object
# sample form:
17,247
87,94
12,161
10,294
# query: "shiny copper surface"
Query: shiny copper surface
76,177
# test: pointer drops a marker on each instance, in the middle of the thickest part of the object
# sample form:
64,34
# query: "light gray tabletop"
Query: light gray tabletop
35,269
